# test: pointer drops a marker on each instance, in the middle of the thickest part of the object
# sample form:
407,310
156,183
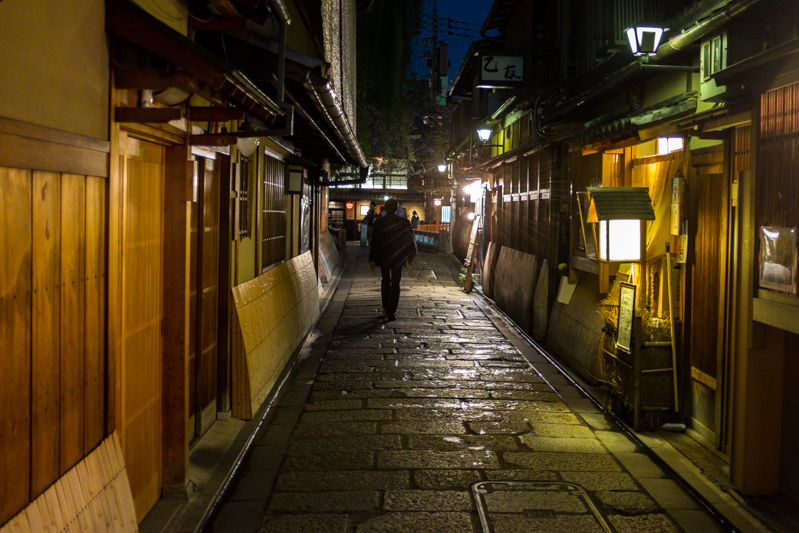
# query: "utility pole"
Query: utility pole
435,66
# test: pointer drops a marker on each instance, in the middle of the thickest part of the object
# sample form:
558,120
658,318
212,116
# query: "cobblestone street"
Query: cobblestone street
445,420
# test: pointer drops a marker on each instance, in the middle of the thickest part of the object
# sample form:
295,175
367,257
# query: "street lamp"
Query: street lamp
442,167
644,40
484,134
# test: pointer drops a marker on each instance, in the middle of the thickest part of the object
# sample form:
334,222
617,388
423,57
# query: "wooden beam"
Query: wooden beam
215,114
150,78
225,8
213,140
236,23
147,115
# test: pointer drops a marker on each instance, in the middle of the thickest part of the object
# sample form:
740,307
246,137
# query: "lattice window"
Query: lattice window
273,215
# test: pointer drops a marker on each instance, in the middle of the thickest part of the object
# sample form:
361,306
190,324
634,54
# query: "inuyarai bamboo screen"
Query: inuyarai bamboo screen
273,216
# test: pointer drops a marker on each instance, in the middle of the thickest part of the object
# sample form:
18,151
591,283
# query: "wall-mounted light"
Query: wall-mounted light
247,145
350,205
484,134
644,40
437,202
442,167
620,213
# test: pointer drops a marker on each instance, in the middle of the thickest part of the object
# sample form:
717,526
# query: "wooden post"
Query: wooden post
637,367
671,328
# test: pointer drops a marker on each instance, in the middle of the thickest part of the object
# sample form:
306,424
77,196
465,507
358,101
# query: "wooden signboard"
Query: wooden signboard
471,254
626,315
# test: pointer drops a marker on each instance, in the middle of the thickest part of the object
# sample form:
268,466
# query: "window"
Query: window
446,212
667,145
245,224
711,57
273,216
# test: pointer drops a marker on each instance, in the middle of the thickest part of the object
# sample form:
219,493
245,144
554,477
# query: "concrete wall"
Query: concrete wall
55,65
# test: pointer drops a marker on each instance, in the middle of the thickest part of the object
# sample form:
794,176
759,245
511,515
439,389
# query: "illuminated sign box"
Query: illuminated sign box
500,70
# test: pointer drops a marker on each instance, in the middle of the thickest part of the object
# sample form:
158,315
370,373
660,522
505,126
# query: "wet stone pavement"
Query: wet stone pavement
444,420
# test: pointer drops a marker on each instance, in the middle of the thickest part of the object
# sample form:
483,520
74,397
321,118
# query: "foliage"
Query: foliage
462,277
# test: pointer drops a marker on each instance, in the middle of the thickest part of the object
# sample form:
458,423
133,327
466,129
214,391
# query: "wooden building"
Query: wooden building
706,124
154,191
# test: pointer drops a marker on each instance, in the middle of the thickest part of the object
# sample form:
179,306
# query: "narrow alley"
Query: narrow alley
443,420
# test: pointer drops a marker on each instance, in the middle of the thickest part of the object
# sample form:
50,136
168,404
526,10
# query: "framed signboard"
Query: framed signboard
778,259
500,70
626,315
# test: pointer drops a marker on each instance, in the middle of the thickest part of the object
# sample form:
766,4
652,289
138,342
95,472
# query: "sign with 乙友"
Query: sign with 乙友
499,70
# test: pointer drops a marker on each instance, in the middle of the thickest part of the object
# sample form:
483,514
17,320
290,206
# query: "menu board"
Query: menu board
626,314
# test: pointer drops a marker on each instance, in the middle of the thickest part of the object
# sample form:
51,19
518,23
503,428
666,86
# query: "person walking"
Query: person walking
415,220
392,247
369,220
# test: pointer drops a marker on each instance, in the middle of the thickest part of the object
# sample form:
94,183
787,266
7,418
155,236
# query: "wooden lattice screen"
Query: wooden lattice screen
273,215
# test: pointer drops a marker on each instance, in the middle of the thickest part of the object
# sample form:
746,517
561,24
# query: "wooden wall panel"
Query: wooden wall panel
73,227
45,342
95,313
15,339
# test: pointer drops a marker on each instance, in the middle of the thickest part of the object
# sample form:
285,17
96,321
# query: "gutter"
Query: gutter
325,97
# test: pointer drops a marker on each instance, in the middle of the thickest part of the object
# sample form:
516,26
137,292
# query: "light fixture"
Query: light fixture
484,134
442,167
470,216
385,198
437,202
644,40
247,145
621,214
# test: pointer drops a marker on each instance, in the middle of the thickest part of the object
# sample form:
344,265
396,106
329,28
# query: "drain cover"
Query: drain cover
511,506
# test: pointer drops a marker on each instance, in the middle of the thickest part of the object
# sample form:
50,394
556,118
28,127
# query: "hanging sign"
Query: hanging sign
500,70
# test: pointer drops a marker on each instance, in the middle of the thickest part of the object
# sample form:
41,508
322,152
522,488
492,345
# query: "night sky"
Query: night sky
467,17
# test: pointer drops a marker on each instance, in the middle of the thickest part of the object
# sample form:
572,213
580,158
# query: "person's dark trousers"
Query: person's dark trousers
390,288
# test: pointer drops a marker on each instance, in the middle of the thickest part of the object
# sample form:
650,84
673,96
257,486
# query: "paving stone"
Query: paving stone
339,501
562,444
343,443
334,405
391,460
624,502
519,502
521,475
563,430
344,416
427,500
436,427
352,460
500,427
580,462
462,442
656,523
558,524
304,523
304,431
445,479
601,480
329,481
421,521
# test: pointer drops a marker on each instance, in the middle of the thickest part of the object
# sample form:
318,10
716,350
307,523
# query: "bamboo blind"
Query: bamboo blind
273,216
94,495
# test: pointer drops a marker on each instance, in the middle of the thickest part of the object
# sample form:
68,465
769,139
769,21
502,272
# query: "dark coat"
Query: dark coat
392,241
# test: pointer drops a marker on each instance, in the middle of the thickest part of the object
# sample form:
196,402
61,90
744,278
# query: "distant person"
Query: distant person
414,220
369,220
392,247
401,211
